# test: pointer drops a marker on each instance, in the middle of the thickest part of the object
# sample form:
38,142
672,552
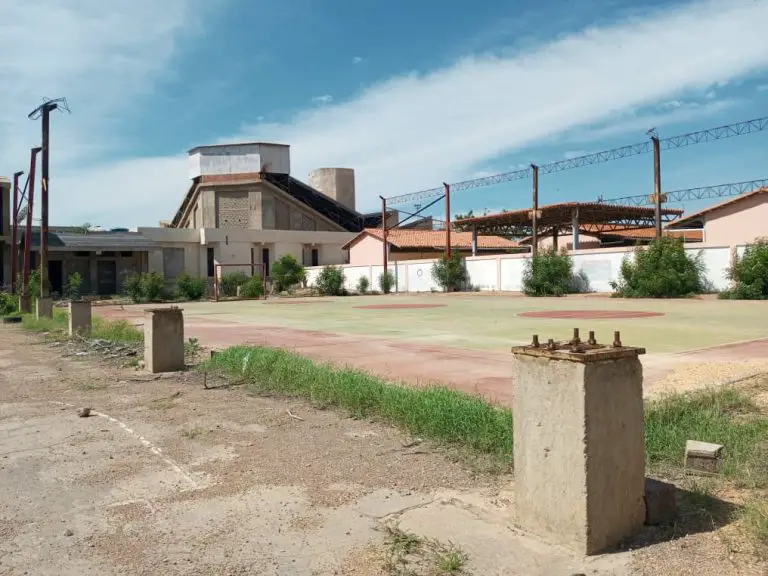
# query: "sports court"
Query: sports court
463,339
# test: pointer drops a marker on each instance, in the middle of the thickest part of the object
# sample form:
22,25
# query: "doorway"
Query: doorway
106,274
56,277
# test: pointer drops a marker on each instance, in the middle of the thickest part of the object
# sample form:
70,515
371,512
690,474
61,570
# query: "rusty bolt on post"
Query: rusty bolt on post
551,344
592,341
617,339
535,342
575,339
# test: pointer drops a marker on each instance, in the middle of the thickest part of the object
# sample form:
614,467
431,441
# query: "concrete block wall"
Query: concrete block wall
504,273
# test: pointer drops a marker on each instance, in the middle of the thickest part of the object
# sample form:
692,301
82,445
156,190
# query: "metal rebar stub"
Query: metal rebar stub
577,350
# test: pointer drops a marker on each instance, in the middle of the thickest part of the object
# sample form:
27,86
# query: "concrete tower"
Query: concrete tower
337,183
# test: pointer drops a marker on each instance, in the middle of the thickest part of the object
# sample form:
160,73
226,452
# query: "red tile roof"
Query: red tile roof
728,202
435,239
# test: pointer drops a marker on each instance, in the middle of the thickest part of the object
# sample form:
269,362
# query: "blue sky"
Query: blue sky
407,93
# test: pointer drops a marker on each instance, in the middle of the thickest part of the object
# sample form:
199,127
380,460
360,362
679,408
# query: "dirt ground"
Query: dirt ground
166,477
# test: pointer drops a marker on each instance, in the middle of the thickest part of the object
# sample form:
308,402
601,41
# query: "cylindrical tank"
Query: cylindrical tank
337,183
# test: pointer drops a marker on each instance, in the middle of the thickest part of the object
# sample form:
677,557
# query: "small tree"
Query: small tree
749,273
450,273
548,273
253,288
152,286
230,282
330,281
662,270
9,304
74,282
189,287
132,287
362,284
287,272
386,282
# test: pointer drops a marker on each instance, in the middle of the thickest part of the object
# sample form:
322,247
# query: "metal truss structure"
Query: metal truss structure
700,193
681,141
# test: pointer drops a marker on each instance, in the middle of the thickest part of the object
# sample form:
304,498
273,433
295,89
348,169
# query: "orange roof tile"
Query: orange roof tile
402,238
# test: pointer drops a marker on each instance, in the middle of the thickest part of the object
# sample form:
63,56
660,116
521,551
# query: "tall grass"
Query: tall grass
433,412
118,331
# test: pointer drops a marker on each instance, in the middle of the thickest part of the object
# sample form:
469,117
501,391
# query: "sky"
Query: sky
409,94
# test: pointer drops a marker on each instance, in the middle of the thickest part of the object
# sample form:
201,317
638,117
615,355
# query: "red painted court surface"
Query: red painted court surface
590,314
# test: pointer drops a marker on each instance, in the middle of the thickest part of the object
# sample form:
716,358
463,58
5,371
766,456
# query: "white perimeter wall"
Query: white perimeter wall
504,273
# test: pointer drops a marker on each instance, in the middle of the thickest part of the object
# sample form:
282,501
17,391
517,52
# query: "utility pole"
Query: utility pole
385,252
25,303
44,112
14,231
657,182
535,214
447,220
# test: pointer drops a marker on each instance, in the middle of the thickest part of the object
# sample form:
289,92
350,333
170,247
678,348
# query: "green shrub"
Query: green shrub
253,288
749,273
230,282
132,287
450,273
363,284
152,287
9,304
386,282
330,281
548,273
662,270
74,282
287,272
190,288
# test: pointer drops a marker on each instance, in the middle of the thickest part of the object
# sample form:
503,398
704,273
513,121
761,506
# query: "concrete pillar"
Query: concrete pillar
578,442
44,308
474,240
25,304
79,318
554,239
164,339
575,229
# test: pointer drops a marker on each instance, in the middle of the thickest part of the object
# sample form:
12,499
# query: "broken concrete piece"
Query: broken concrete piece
703,457
84,412
660,502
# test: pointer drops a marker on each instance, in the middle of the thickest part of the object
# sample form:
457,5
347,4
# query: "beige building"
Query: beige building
735,222
367,248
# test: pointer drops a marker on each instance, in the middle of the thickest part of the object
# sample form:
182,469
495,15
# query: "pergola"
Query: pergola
568,216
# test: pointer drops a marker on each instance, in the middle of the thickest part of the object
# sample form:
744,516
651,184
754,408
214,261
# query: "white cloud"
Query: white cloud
763,88
710,95
574,154
324,99
419,129
357,60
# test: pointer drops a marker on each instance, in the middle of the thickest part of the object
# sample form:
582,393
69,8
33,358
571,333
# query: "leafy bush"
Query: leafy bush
662,270
190,288
548,273
287,272
386,282
74,282
330,281
580,283
450,273
230,282
749,273
144,287
363,284
152,287
253,288
9,304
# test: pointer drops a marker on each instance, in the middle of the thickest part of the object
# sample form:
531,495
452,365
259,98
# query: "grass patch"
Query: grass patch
115,331
754,515
451,561
724,416
434,412
55,326
195,432
91,386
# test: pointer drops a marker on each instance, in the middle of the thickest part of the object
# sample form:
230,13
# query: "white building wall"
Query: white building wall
239,159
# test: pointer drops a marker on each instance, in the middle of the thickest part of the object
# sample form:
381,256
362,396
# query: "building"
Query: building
367,247
591,236
5,232
735,222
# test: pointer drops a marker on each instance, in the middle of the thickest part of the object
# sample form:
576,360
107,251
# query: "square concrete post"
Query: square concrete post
44,308
79,318
164,339
579,442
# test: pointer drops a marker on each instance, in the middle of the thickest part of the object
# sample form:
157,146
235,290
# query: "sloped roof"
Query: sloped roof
434,239
719,205
92,241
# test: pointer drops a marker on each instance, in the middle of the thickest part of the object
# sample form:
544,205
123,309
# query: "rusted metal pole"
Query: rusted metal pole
385,251
28,231
535,214
447,220
15,231
657,183
44,188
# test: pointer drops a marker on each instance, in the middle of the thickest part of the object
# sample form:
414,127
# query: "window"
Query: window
315,257
211,266
108,253
126,254
82,254
265,260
